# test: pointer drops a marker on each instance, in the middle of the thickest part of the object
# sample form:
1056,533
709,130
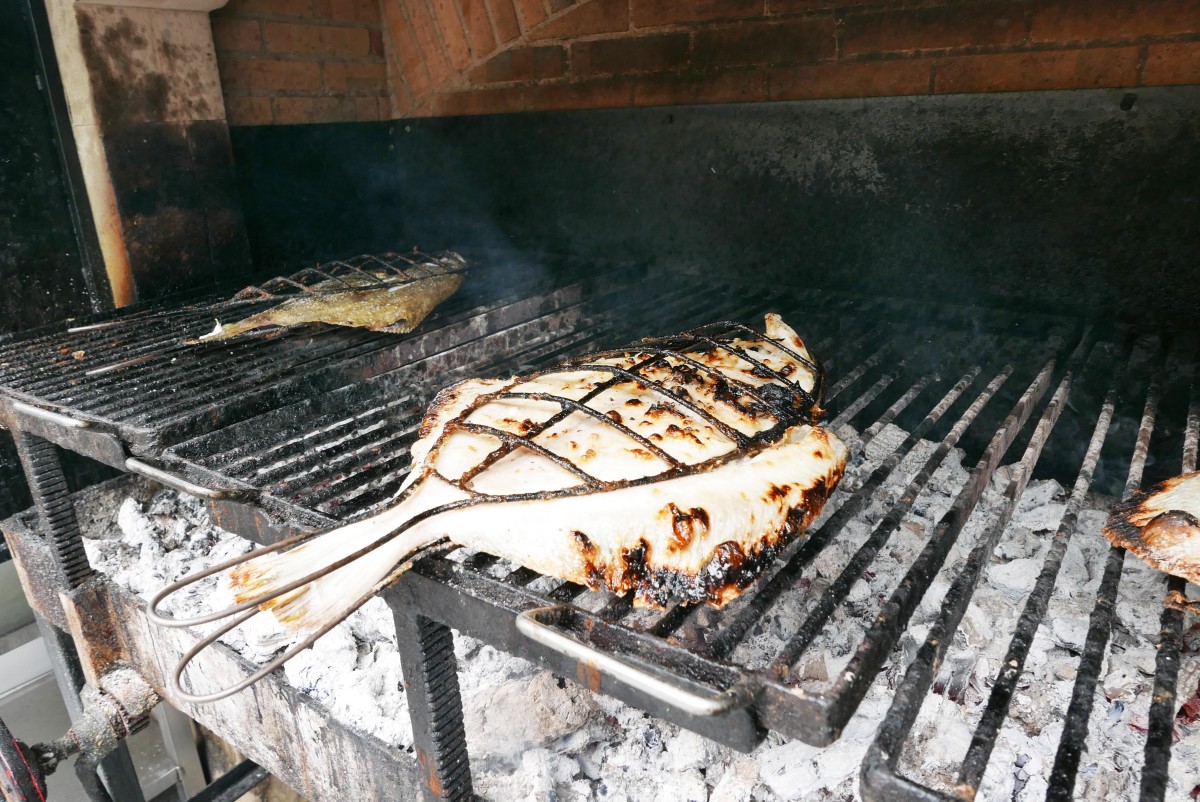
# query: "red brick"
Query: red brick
522,64
407,55
256,73
1070,69
286,8
340,10
454,37
560,5
795,6
479,27
531,13
376,39
655,53
299,110
316,40
504,20
798,41
237,34
934,28
248,111
355,77
607,94
1111,20
648,13
366,109
592,17
479,101
1172,64
429,40
851,79
730,87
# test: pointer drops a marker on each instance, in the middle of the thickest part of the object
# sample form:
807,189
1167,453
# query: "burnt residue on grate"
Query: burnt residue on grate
133,375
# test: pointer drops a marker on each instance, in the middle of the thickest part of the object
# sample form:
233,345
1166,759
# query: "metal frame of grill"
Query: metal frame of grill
978,389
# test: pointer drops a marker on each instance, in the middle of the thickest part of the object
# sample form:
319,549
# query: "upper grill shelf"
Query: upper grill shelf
133,376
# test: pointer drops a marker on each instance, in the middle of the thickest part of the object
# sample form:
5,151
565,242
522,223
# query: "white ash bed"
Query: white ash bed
536,736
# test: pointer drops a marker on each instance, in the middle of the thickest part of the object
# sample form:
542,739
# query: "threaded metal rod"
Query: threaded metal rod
44,473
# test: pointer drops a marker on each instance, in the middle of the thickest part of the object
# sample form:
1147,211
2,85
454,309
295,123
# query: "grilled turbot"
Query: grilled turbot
675,469
1162,525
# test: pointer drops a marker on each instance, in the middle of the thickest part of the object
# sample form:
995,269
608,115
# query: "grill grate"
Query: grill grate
136,377
365,272
988,383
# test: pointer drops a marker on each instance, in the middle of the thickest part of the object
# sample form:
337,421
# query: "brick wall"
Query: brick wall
301,61
482,56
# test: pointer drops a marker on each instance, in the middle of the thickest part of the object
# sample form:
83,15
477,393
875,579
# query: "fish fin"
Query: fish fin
332,596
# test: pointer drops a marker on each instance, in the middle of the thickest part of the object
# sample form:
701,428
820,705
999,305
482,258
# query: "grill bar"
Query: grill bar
852,683
1165,698
741,622
840,588
1070,747
984,738
743,618
153,390
880,780
311,453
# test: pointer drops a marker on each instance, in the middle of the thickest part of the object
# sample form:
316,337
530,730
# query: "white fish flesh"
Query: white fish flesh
681,483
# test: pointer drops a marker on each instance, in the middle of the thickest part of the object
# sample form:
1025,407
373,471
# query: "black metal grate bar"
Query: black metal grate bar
1075,728
836,593
743,618
43,471
136,377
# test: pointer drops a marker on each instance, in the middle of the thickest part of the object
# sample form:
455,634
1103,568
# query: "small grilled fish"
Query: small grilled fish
1162,525
397,309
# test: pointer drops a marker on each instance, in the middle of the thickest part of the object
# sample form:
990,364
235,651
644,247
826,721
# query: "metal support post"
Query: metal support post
435,706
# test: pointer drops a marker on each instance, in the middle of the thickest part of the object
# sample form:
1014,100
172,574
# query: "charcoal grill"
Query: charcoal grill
239,424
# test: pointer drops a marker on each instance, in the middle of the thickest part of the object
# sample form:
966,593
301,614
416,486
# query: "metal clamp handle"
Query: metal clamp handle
529,625
172,481
48,415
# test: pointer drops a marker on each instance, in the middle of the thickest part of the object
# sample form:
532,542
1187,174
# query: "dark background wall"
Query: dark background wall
1085,199
44,275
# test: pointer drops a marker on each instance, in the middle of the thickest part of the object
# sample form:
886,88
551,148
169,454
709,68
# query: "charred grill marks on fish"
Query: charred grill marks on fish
377,300
676,469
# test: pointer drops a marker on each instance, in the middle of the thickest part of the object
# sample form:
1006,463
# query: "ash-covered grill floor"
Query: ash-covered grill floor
534,736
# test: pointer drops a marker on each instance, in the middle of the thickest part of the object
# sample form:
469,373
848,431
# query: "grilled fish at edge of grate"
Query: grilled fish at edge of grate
1162,525
679,510
396,309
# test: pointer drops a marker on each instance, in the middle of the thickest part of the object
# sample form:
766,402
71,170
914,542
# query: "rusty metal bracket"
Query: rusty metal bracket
88,612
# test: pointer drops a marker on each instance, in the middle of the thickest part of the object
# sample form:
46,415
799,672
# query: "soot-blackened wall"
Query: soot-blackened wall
1086,200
